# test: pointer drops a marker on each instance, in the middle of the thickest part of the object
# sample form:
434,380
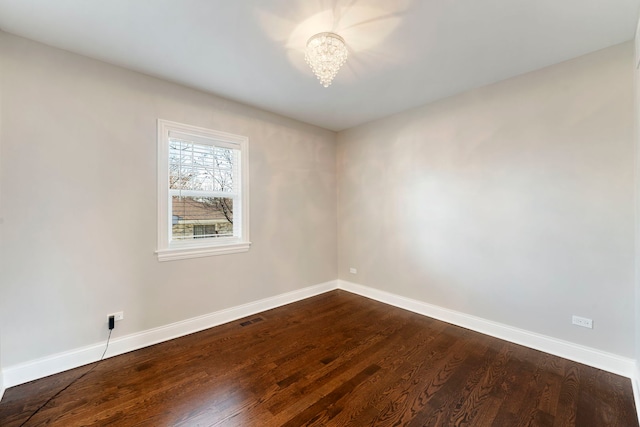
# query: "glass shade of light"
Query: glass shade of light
325,54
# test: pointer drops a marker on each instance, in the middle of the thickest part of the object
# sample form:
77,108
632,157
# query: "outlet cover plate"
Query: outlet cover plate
117,316
582,321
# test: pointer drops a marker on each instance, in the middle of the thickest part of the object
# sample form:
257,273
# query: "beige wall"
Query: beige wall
513,202
78,177
637,189
2,386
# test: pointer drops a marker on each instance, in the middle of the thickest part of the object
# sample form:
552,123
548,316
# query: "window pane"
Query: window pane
200,166
201,217
203,231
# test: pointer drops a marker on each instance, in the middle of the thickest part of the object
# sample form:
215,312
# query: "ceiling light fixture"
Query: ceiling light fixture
325,54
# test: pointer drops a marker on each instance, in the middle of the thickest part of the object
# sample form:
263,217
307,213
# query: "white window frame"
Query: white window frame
169,249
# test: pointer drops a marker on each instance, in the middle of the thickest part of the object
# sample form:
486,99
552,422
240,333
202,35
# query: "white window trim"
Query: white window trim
168,250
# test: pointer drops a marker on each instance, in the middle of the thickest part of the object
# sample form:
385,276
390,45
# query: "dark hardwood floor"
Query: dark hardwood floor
333,360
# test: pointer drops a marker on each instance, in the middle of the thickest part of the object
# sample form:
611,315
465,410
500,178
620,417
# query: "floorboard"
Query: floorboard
336,359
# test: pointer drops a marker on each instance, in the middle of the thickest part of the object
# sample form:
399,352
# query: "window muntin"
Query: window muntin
202,191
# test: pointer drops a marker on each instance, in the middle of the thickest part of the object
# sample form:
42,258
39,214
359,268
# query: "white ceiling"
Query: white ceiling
402,53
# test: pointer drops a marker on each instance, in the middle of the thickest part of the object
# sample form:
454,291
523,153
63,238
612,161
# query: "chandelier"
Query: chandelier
325,54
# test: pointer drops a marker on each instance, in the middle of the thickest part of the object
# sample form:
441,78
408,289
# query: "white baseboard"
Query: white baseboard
635,383
568,350
1,385
39,368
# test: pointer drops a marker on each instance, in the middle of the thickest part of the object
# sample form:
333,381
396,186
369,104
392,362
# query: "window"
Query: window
203,203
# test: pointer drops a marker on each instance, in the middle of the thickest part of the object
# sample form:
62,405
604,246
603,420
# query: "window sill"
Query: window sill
201,251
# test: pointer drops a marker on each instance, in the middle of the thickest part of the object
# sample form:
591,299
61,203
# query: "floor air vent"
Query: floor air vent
249,322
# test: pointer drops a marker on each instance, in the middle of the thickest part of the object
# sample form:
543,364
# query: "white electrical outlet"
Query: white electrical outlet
353,270
582,321
117,316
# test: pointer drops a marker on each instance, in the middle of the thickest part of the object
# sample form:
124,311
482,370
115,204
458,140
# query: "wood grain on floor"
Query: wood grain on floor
337,359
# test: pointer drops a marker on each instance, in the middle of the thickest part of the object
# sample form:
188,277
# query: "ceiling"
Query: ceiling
402,53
